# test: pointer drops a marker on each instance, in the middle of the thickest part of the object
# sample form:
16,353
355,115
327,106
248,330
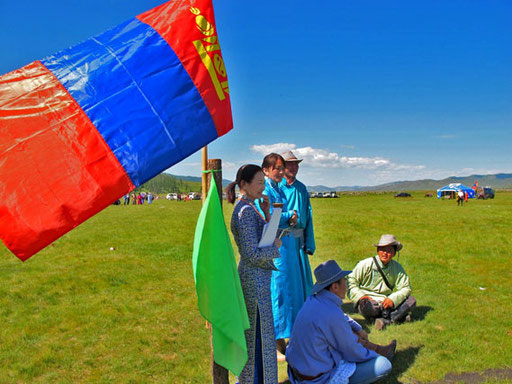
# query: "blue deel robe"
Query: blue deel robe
292,283
298,199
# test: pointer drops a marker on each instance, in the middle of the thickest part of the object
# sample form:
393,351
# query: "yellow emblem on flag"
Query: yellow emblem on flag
208,49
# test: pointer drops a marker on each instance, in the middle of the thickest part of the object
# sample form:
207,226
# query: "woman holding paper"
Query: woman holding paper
255,270
286,286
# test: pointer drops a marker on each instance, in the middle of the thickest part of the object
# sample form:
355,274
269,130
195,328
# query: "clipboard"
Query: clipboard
270,229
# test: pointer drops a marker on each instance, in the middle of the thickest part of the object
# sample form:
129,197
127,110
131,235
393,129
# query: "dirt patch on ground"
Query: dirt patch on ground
477,377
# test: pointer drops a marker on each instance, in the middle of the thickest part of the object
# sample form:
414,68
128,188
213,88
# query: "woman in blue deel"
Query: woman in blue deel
287,283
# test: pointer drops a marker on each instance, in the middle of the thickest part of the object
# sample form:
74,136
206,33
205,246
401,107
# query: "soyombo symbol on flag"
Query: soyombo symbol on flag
81,128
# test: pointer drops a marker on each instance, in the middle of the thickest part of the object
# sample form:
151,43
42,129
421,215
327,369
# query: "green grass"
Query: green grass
79,312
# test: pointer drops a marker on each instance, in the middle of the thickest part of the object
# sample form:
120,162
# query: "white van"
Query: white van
172,196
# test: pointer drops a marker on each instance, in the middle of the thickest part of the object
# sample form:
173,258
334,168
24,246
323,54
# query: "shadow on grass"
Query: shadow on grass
420,312
401,362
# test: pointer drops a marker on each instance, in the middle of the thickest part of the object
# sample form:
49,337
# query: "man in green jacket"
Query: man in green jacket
379,286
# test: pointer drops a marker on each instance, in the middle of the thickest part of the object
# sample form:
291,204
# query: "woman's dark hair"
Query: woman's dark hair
271,159
245,173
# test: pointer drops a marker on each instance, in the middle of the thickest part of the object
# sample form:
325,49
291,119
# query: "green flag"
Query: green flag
219,292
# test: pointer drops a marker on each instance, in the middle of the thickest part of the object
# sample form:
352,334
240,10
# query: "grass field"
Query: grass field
80,312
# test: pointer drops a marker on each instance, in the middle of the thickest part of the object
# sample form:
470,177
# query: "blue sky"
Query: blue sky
366,92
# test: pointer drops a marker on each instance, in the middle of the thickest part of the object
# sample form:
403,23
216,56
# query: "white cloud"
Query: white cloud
322,158
229,165
273,148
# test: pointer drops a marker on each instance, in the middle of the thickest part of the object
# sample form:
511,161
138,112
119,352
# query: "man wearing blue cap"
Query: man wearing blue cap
323,345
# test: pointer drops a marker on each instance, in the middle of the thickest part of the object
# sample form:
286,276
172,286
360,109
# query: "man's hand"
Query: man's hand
293,219
388,303
363,335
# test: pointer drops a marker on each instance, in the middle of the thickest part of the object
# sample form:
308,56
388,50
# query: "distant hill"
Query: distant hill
500,180
198,179
166,183
323,188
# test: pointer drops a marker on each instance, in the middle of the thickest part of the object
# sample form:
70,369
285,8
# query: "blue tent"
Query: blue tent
454,188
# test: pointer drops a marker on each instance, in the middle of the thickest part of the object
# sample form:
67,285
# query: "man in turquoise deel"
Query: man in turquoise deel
297,197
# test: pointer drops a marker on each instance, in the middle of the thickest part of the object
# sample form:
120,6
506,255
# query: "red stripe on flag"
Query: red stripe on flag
189,28
56,170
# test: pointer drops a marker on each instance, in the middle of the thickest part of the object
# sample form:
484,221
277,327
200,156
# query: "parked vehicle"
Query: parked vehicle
486,193
334,195
172,196
194,196
403,194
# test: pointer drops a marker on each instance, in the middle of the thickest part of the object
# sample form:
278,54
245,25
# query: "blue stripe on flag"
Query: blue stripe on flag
134,89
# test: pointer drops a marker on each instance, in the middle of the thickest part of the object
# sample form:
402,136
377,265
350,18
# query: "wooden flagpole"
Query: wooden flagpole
219,373
204,175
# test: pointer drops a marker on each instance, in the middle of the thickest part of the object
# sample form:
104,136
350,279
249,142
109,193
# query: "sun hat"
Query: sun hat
389,240
328,273
289,156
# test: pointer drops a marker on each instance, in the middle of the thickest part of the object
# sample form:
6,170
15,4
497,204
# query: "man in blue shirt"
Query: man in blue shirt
323,345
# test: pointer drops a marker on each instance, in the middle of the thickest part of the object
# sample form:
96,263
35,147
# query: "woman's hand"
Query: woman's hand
278,242
265,203
265,206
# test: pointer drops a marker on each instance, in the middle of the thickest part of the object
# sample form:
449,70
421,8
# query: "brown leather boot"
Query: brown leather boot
388,351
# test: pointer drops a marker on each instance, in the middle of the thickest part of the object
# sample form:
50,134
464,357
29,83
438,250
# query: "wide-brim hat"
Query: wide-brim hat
389,240
289,156
328,273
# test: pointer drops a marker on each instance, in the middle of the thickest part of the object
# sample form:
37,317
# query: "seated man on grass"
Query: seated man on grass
379,286
324,345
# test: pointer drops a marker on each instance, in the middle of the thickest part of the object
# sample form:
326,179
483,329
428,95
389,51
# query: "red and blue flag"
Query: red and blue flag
81,128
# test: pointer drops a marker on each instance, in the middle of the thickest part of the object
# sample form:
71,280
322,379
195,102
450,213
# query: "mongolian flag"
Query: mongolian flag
81,128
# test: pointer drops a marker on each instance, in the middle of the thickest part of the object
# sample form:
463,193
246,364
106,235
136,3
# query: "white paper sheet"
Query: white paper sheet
270,229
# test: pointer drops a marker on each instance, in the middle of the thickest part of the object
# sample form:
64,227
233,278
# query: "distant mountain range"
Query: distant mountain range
165,183
500,180
198,179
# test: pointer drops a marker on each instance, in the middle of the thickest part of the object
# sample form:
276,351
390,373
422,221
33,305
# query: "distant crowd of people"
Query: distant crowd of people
148,197
139,198
293,319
